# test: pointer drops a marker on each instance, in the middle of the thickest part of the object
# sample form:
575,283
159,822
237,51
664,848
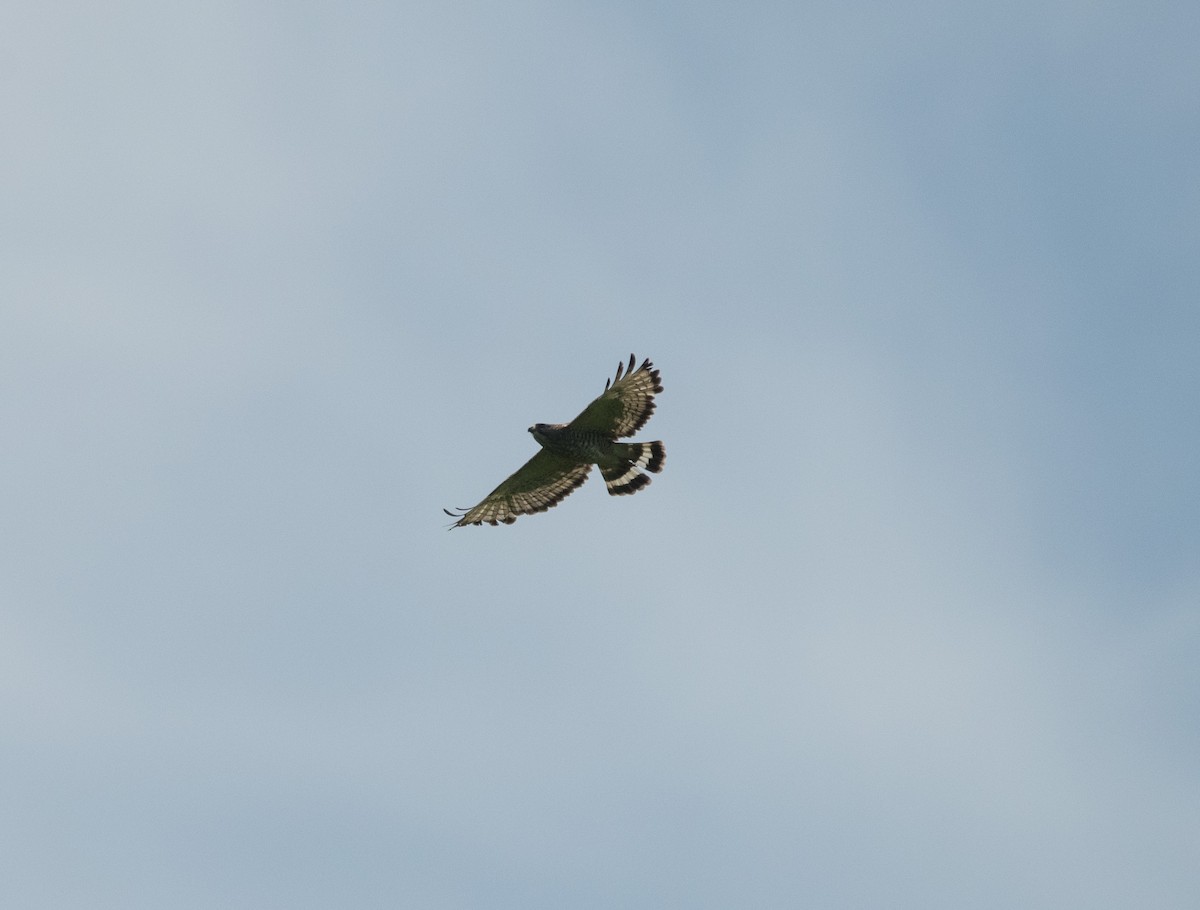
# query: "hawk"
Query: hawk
568,451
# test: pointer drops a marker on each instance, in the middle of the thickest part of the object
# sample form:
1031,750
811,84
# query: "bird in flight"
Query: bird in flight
568,451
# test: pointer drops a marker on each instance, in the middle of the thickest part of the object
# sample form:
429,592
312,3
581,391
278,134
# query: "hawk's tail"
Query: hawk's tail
625,476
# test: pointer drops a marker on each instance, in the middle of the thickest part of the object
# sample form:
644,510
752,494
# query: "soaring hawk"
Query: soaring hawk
568,451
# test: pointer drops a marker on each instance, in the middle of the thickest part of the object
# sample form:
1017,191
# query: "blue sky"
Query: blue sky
912,616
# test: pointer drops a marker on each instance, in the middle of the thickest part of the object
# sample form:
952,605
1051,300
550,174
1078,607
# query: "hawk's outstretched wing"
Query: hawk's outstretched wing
543,481
626,404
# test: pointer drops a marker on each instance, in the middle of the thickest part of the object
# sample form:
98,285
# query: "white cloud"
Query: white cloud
908,619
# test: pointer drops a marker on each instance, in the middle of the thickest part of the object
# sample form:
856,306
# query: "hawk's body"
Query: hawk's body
570,449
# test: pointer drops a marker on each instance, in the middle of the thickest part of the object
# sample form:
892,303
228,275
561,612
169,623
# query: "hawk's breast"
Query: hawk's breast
580,445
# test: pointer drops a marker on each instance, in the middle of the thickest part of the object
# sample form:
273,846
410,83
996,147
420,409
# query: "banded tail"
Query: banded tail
625,476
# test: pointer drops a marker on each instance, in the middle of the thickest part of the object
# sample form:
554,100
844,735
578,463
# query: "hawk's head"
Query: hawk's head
542,430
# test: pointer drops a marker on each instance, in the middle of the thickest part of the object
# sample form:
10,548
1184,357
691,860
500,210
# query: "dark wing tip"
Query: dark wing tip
624,369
